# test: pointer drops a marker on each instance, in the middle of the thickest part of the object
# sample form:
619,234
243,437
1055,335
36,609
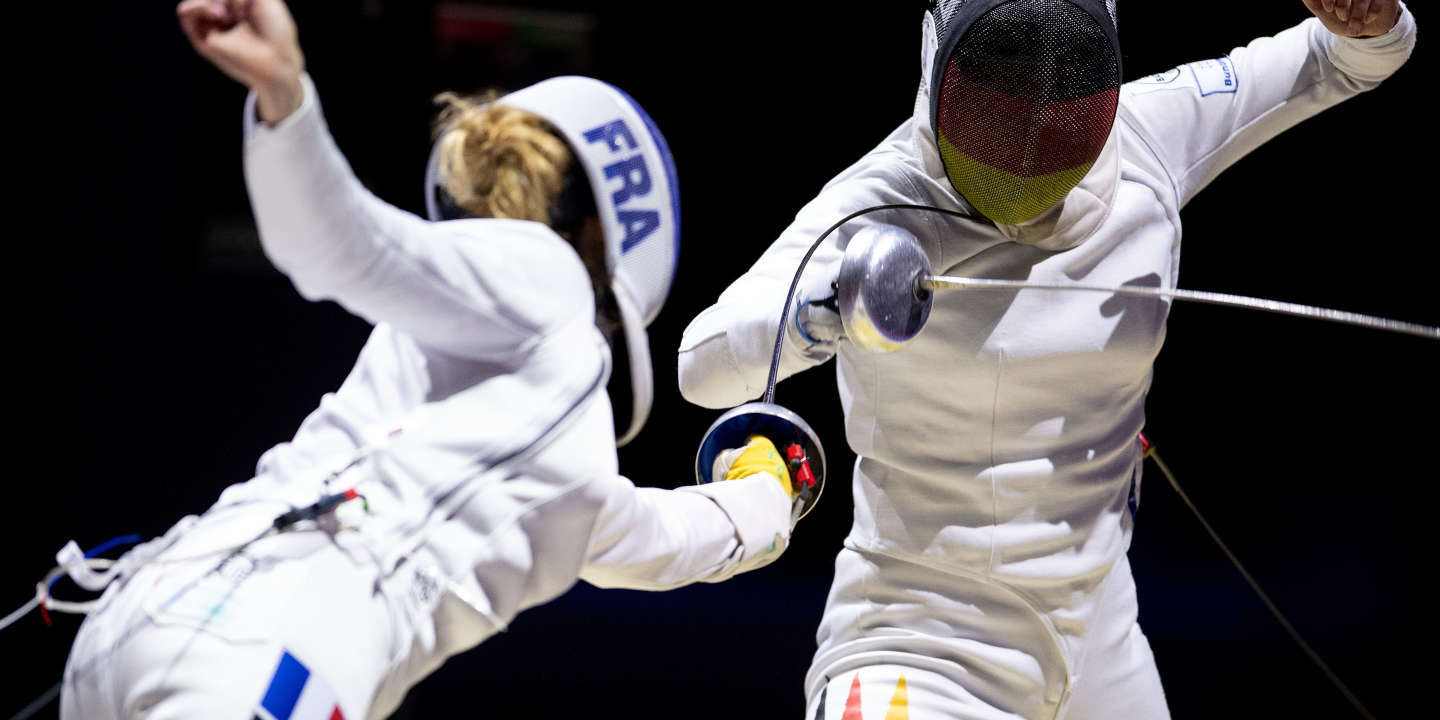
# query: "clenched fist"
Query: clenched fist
1356,18
253,41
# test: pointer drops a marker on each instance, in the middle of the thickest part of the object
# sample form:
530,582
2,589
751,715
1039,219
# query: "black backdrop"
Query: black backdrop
155,358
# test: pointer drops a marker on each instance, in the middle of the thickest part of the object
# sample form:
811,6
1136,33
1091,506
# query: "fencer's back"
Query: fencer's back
478,471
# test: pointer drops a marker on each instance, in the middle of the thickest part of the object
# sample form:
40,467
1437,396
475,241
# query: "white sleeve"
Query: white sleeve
725,352
1202,117
654,539
474,288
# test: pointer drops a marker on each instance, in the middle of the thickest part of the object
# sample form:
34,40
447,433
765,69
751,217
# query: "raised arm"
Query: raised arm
475,288
1202,117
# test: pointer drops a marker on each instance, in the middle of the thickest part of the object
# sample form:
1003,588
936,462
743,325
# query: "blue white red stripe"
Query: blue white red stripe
295,693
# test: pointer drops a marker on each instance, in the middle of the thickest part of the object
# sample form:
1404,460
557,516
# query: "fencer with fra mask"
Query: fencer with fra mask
466,468
985,575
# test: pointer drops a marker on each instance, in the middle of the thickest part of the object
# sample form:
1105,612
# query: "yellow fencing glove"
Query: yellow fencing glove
758,455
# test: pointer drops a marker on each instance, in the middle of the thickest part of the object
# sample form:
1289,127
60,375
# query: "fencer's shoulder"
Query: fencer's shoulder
525,237
878,179
872,165
891,172
888,157
525,266
513,245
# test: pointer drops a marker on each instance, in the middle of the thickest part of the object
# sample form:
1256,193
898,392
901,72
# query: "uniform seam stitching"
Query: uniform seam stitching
932,220
994,490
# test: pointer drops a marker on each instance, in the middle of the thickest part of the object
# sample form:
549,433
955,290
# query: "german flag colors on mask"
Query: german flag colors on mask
1025,101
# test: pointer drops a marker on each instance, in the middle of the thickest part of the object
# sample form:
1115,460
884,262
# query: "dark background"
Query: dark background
156,354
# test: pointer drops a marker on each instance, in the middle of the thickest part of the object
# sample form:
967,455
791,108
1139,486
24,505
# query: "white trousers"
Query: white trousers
893,671
292,628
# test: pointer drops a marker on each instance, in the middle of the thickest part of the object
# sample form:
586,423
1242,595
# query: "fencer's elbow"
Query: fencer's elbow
619,581
698,389
310,285
709,384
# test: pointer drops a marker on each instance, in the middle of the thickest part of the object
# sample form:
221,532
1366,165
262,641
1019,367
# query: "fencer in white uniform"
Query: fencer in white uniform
475,432
985,575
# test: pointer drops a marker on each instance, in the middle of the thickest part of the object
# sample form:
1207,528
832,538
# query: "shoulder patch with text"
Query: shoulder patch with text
1165,78
1173,79
1214,76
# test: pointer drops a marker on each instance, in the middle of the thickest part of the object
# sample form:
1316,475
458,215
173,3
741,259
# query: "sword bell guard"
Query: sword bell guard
883,305
784,428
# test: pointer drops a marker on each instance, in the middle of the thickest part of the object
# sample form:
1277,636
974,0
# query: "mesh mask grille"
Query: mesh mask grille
944,13
1025,106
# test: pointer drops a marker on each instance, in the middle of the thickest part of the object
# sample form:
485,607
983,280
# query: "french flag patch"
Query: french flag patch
296,694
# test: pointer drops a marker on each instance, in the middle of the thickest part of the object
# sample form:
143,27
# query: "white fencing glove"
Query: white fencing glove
817,312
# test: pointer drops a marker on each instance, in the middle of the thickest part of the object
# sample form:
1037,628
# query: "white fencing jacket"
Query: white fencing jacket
475,420
999,449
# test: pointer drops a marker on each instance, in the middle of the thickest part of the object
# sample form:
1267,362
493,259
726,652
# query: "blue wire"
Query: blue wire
112,542
101,548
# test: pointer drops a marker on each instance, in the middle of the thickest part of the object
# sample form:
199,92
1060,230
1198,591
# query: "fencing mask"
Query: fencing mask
632,176
1023,95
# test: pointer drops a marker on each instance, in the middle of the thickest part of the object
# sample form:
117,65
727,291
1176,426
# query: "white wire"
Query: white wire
42,588
19,613
73,608
42,595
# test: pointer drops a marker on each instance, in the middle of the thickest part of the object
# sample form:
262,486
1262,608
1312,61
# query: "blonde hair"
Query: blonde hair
499,161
